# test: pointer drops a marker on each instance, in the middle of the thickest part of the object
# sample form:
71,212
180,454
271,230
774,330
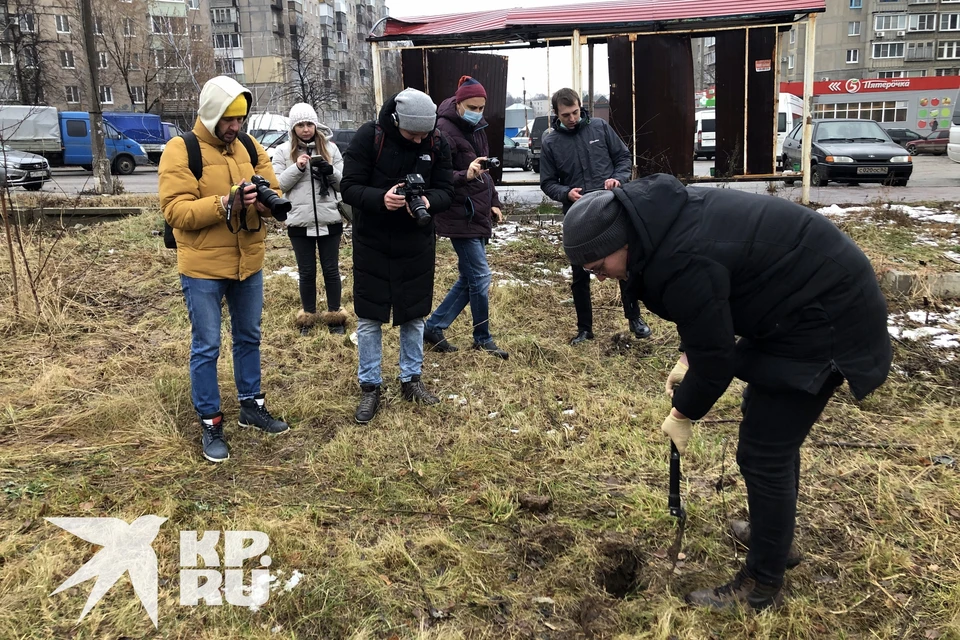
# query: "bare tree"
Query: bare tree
309,80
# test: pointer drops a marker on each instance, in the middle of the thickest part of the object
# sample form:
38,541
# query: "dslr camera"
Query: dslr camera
490,163
279,207
412,191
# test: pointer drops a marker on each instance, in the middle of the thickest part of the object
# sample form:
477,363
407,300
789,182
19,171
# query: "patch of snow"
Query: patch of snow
285,271
294,580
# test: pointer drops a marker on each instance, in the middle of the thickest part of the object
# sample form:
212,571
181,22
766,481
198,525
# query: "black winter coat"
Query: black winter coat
800,294
469,216
393,258
585,157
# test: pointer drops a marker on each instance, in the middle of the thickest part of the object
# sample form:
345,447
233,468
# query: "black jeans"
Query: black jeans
584,307
306,248
775,423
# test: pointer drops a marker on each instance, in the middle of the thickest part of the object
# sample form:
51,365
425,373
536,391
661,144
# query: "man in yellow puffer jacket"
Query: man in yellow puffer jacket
218,260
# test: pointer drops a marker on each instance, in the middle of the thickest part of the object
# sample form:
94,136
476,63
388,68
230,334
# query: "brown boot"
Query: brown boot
336,321
741,533
743,591
305,321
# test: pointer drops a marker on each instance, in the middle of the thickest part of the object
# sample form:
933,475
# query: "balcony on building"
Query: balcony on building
276,5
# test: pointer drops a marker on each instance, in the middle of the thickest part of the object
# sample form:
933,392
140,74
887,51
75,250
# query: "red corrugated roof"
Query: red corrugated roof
632,12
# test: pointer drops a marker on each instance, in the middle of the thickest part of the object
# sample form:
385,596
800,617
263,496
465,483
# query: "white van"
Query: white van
953,146
705,134
789,115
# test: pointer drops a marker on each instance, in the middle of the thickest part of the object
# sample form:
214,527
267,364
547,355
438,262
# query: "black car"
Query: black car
903,136
515,156
540,125
851,151
342,138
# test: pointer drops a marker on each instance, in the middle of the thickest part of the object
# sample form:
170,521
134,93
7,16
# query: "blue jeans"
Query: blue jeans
245,302
473,286
370,349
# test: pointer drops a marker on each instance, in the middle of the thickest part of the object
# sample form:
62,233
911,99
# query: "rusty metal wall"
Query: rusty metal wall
761,87
414,64
620,67
730,82
444,70
663,67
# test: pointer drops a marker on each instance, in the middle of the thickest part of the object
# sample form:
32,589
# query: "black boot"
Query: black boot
414,391
437,342
741,533
337,329
491,348
212,440
639,328
253,413
743,591
369,403
582,336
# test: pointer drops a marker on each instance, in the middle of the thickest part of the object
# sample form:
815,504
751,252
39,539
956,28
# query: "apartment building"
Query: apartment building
155,55
863,39
152,55
288,51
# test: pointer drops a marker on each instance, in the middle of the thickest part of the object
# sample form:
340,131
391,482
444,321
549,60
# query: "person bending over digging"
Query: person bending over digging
800,295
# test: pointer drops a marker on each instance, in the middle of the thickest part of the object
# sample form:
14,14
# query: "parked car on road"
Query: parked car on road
515,156
903,136
852,151
23,169
342,138
705,134
935,143
522,141
541,125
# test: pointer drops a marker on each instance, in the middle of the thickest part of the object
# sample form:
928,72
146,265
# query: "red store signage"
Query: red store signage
854,86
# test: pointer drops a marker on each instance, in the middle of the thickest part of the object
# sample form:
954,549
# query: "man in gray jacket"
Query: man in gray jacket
582,155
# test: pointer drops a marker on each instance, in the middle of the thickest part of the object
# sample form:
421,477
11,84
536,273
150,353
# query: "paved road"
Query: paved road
935,178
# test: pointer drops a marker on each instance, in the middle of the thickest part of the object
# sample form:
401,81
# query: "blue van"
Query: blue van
125,154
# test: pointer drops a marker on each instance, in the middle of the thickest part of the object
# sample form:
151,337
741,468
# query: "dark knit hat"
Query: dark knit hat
469,88
416,112
594,227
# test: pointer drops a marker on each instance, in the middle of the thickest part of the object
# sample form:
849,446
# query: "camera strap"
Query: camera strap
237,210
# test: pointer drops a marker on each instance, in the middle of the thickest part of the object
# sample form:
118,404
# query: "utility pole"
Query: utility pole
103,182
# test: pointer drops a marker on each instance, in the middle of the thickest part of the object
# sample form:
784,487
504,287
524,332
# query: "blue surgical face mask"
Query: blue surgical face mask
472,117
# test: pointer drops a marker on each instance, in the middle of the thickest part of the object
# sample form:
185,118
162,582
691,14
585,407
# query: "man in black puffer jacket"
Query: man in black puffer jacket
801,296
393,256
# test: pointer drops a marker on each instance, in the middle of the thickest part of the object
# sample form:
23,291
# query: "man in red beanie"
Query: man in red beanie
469,221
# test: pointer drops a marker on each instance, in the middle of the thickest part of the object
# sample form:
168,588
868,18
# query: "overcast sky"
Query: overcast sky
531,64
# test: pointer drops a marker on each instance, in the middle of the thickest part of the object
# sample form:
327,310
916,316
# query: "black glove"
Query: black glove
320,167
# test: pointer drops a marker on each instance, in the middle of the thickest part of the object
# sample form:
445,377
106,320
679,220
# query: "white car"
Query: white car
522,141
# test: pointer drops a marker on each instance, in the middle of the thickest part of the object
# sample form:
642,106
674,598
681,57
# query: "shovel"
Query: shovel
676,506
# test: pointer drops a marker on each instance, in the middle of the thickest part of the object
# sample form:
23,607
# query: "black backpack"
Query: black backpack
195,162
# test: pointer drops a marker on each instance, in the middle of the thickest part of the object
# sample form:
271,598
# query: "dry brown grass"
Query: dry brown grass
410,527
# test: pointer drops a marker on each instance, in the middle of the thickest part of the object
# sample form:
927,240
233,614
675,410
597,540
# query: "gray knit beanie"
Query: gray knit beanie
416,112
594,227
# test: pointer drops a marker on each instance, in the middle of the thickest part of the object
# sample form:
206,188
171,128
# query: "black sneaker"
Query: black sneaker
414,391
369,403
214,444
437,342
253,413
491,348
582,336
639,328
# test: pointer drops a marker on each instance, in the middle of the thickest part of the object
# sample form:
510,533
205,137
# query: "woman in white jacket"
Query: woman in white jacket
309,167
